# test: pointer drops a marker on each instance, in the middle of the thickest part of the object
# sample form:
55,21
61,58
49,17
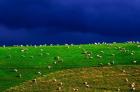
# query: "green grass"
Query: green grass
12,58
99,79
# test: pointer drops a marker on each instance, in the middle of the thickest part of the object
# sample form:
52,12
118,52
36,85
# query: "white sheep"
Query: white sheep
15,70
49,67
134,62
39,73
75,89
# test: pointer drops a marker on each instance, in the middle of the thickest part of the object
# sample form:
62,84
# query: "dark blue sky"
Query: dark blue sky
68,21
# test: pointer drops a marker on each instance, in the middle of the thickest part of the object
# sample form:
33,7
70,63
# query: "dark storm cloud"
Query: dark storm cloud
109,17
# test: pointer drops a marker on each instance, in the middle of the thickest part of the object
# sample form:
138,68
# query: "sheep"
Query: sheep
41,54
99,56
126,79
109,64
60,84
101,64
75,89
35,46
23,56
54,80
113,54
47,53
87,86
59,88
49,67
34,81
66,44
41,50
23,50
72,44
19,76
133,89
132,53
55,62
112,62
134,62
57,58
4,46
15,70
118,89
85,83
51,44
123,71
133,85
102,51
39,73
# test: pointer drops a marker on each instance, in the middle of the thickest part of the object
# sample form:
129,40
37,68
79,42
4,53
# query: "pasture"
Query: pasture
20,64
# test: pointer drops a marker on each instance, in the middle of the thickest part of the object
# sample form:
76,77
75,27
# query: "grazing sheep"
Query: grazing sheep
90,57
23,56
132,53
55,62
112,62
54,80
15,70
59,88
19,76
123,71
138,46
101,64
60,84
57,58
23,50
51,44
133,89
99,56
75,89
66,44
72,44
109,64
102,51
41,54
133,85
85,83
134,62
87,86
41,50
47,53
118,89
34,81
49,67
113,54
39,73
126,79
35,46
4,46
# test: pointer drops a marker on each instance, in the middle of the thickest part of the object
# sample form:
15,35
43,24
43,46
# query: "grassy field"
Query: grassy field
95,79
19,64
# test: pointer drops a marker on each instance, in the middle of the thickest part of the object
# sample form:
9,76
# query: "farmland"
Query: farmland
20,64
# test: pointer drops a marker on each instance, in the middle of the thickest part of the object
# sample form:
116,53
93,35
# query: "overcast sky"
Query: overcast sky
68,21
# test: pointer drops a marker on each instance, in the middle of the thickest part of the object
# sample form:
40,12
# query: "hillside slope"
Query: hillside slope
96,79
19,64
